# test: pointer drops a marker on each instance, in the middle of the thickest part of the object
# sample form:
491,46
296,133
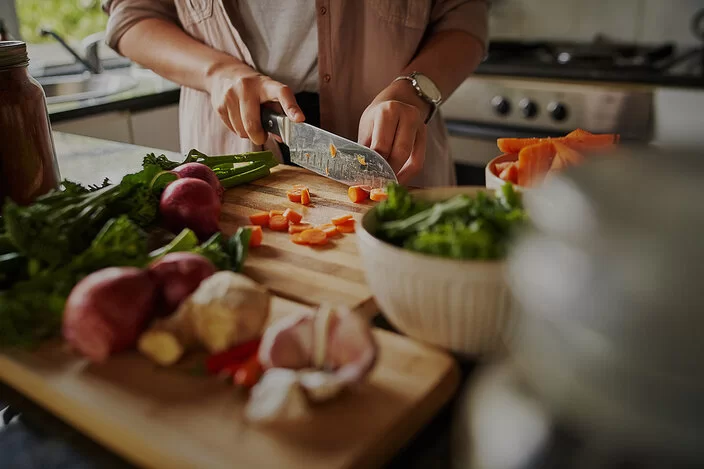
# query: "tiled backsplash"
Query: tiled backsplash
647,21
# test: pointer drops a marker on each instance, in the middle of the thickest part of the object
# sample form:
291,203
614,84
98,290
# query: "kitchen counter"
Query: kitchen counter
39,440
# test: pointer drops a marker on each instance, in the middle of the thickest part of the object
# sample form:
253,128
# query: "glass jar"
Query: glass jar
28,166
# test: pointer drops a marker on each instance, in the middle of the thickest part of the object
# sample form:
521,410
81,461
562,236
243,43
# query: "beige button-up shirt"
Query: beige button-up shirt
362,46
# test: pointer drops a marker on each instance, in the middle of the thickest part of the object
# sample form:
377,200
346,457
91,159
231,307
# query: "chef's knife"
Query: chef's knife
328,154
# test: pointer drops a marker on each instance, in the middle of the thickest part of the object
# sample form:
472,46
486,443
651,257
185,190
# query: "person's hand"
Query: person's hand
393,126
237,92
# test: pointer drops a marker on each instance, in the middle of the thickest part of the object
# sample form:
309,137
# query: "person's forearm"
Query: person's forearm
167,50
448,58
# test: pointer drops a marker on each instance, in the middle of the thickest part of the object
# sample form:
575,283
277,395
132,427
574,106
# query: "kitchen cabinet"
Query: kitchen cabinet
113,126
156,128
153,128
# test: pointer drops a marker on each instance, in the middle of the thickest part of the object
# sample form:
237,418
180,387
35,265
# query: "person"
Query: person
372,71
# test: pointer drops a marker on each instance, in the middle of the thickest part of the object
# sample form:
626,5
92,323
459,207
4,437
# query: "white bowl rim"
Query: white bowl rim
430,258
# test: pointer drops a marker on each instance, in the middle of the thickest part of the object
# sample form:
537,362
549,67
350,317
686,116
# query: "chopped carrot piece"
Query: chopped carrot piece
314,236
341,219
534,163
298,227
377,195
273,213
578,139
510,174
305,197
333,151
278,223
565,156
294,195
329,229
357,194
299,187
361,160
346,227
292,216
298,239
257,235
259,218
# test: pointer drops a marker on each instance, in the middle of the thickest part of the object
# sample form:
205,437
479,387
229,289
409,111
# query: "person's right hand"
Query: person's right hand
237,92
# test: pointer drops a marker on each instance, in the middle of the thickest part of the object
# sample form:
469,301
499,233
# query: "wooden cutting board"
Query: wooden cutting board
331,273
166,418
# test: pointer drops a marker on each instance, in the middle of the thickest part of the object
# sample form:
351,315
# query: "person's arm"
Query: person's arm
155,41
393,124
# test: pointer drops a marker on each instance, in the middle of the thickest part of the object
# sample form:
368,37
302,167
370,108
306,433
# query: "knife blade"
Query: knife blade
328,154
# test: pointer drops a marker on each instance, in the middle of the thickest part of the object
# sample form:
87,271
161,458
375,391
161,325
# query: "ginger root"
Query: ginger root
225,310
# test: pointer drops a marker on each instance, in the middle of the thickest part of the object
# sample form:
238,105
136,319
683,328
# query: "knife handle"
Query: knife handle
273,122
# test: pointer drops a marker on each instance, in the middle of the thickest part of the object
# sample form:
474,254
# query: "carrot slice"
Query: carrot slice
259,218
578,139
314,236
346,227
377,195
357,194
294,195
278,223
298,227
565,156
292,216
341,219
298,239
510,174
329,229
534,163
257,235
273,213
305,197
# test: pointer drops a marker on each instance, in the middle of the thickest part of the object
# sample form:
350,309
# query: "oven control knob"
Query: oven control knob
501,105
528,108
558,111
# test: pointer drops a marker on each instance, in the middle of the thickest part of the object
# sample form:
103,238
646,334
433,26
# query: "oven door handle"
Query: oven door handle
464,129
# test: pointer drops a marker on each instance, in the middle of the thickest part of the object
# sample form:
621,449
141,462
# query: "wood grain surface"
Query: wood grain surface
313,275
170,418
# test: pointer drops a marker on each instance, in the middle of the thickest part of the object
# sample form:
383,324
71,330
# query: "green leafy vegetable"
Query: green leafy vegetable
462,227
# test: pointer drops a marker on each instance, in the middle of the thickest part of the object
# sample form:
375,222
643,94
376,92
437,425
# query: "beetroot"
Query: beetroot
190,203
177,275
107,311
202,172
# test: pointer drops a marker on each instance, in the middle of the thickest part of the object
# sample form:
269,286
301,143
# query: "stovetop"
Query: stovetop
663,64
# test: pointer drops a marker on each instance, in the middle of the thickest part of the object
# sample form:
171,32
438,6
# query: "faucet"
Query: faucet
92,61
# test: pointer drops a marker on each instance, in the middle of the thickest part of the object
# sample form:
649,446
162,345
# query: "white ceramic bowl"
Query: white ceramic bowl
463,306
493,181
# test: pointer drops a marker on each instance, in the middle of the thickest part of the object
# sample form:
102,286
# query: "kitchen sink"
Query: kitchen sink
60,89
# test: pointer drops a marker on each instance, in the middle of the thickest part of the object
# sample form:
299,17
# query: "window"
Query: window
72,19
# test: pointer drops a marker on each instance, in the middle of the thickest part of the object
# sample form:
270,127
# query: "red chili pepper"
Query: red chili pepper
234,356
248,375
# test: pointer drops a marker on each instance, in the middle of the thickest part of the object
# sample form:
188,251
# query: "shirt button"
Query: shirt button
323,10
327,78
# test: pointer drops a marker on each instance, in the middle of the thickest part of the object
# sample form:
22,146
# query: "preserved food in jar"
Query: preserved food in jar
28,166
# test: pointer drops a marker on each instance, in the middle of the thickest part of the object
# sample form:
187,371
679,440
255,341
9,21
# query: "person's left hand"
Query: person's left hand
393,126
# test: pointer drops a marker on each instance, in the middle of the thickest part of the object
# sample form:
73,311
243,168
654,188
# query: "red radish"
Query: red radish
190,203
202,172
107,310
177,275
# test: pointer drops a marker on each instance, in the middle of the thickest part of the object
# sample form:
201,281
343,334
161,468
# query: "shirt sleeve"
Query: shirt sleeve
123,14
470,16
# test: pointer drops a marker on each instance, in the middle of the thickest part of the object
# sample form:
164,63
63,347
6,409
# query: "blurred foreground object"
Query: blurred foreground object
608,345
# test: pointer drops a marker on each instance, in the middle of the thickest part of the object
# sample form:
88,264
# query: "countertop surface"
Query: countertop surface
38,440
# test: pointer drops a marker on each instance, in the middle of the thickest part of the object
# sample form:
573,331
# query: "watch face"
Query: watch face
428,87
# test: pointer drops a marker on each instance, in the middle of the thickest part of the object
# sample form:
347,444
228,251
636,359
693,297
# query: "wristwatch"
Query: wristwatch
426,89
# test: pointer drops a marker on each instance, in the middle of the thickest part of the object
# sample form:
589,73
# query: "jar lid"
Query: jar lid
13,54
